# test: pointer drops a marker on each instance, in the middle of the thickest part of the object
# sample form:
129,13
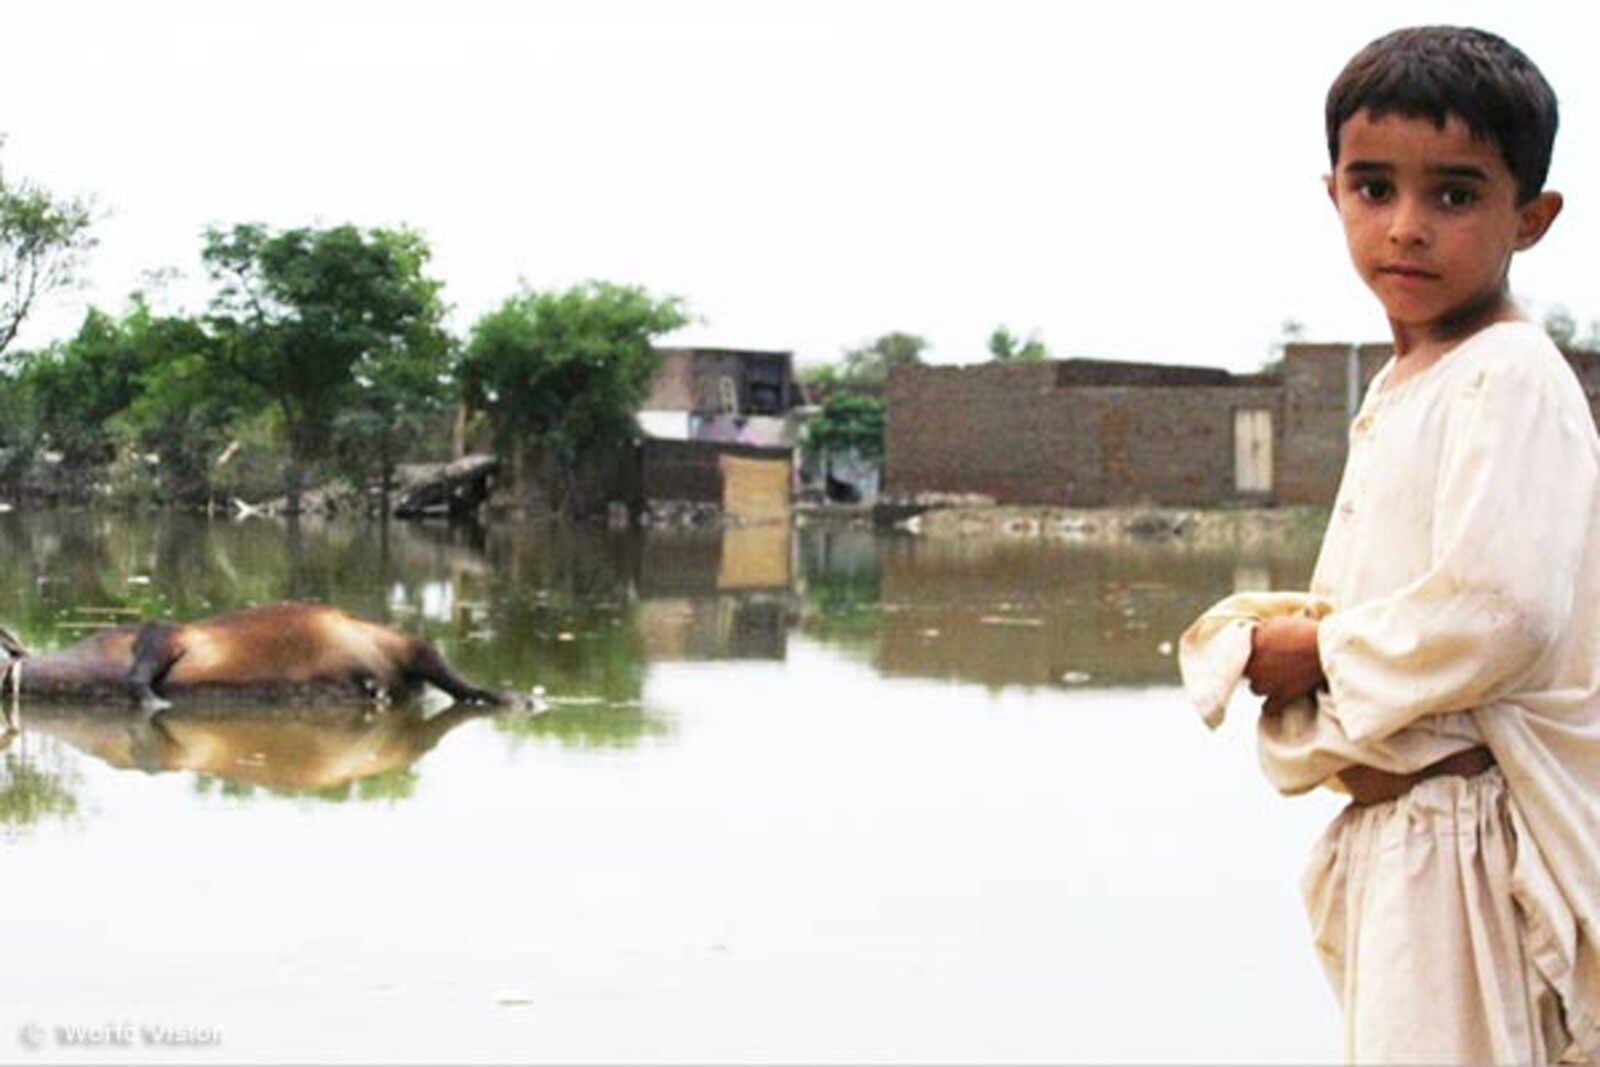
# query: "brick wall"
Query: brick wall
1316,392
673,388
1028,433
693,471
1085,433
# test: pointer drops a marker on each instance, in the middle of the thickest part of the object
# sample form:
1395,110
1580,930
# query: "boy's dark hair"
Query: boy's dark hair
1434,72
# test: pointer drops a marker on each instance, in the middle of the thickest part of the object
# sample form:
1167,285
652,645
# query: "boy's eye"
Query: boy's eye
1374,190
1457,196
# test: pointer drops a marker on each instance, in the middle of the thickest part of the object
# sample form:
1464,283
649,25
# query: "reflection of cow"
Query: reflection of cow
283,748
292,652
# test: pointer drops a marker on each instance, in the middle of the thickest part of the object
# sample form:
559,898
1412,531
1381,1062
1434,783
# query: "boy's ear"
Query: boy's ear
1333,190
1535,217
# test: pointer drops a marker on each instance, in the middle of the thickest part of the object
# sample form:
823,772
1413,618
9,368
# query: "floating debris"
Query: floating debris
1165,648
1010,620
1076,677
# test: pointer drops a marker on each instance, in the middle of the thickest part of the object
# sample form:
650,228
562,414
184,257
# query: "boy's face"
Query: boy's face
1432,219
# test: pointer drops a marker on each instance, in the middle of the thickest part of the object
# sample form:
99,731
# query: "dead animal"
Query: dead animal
281,652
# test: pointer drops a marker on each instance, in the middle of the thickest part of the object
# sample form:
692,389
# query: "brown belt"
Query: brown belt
1368,785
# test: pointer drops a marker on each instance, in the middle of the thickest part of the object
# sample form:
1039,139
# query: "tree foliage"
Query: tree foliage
43,240
566,372
81,385
139,382
1562,326
869,364
184,413
325,322
1007,347
865,368
849,422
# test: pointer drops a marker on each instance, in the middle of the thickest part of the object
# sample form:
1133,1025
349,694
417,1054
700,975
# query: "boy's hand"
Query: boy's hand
1284,664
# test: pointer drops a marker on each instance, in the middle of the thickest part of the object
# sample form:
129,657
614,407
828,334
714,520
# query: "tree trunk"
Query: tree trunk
295,473
458,433
295,477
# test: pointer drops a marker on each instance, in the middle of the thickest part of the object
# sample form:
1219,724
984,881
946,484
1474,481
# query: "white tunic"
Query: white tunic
1460,577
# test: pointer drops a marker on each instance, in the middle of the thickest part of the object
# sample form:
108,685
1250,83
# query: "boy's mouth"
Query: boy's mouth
1402,270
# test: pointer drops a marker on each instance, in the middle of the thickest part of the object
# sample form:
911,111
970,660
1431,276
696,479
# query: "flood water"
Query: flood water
810,795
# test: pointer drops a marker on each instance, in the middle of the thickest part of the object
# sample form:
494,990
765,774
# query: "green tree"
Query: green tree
399,399
566,372
317,319
820,381
864,368
869,364
81,385
848,421
42,243
1562,327
184,413
136,384
1006,347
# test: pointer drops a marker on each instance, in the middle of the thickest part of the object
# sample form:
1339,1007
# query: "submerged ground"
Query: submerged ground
799,796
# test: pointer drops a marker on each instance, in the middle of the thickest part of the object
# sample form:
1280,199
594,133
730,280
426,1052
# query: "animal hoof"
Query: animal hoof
525,703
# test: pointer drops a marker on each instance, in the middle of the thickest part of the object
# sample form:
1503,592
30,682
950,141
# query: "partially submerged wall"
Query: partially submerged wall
1070,434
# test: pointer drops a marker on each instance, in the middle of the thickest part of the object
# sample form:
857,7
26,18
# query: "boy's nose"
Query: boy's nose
1408,224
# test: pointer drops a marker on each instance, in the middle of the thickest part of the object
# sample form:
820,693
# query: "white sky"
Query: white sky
1133,180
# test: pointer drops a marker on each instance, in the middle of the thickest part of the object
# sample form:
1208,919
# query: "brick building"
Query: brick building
1078,433
1322,386
1086,433
722,394
720,429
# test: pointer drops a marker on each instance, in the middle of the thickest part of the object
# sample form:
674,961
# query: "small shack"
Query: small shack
721,429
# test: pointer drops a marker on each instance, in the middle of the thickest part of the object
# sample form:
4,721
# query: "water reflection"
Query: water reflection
585,614
37,784
784,778
334,753
1008,613
711,595
1023,613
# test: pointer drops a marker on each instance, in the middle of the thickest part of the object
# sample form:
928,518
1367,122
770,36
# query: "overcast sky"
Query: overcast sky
1134,180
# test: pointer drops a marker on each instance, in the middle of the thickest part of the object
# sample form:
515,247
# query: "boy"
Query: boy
1454,684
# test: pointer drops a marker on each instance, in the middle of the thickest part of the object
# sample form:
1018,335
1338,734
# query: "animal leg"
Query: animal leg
153,656
150,743
12,680
428,665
